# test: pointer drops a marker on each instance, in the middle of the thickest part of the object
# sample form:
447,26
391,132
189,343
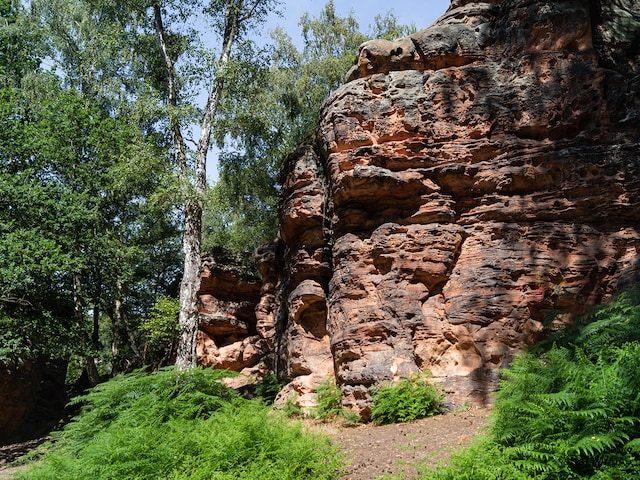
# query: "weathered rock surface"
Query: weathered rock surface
32,398
228,335
465,181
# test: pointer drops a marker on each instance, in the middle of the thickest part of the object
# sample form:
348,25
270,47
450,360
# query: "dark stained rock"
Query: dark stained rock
464,182
32,398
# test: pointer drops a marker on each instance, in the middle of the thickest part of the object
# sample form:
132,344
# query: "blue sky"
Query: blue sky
421,13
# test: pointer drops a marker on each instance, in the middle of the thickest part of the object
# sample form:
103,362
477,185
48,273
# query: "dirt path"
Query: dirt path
390,449
9,453
371,450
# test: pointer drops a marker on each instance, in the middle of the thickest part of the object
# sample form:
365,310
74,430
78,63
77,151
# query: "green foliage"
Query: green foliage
269,387
240,209
81,220
161,325
19,45
291,407
570,412
180,425
387,27
329,399
610,325
409,399
86,219
482,461
28,335
158,331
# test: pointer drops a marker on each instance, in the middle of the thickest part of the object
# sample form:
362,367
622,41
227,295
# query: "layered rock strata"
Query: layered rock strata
228,336
465,182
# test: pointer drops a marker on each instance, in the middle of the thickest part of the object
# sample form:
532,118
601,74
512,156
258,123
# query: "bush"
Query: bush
330,404
329,400
179,426
161,326
407,400
570,412
291,407
269,388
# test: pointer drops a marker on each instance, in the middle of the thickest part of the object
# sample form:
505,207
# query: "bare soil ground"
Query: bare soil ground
9,453
372,451
375,451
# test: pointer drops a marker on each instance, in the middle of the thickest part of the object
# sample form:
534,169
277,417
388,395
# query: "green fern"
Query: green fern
409,399
568,410
633,446
329,399
179,426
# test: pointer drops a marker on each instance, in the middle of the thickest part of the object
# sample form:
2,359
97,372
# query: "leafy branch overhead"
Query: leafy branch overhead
270,106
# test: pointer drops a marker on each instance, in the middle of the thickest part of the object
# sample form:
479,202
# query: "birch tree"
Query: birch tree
157,57
234,18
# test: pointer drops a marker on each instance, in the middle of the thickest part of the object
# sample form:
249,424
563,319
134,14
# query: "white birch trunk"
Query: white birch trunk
194,194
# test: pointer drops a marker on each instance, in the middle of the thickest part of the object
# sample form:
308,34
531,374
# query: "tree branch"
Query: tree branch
180,153
20,301
232,23
251,12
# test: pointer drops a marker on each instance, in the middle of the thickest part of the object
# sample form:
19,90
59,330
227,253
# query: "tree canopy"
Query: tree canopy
272,108
85,214
101,173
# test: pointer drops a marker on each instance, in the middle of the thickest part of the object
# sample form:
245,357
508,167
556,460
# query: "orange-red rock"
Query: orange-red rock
465,181
228,335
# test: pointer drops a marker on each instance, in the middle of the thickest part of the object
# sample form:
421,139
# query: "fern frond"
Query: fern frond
598,443
531,451
589,413
629,420
532,467
633,445
564,399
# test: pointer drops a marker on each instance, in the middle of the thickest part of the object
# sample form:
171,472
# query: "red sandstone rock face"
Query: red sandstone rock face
303,349
228,336
464,182
474,176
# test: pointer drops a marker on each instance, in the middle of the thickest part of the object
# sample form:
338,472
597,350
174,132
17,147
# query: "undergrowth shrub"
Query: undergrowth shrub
409,399
269,388
567,411
180,425
291,407
329,398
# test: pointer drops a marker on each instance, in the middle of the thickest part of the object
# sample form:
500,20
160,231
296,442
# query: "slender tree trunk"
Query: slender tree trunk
119,324
188,316
115,349
194,193
189,288
95,333
78,307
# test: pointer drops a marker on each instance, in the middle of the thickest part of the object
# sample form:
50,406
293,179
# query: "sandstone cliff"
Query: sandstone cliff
465,182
